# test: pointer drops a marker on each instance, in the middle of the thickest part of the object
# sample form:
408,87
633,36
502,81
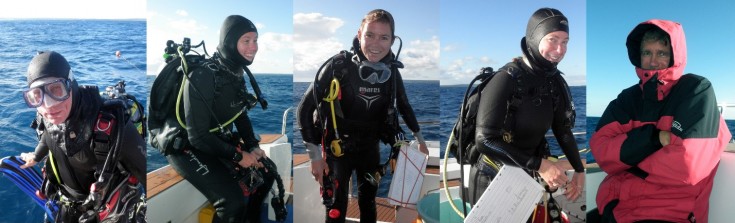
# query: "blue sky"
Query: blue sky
324,27
73,9
709,34
174,20
477,34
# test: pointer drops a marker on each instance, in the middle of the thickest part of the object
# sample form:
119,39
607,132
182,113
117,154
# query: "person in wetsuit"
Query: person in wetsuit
517,136
660,140
66,119
365,99
209,159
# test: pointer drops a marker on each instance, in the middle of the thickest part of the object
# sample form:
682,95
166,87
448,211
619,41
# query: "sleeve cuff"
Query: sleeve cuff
314,151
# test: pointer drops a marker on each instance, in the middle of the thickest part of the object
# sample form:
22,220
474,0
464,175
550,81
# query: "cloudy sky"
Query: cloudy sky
189,18
322,28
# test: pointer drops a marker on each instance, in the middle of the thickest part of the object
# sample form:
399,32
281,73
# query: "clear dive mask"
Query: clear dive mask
57,91
374,72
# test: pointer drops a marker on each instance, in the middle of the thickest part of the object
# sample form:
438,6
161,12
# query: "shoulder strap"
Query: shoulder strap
339,62
563,99
514,101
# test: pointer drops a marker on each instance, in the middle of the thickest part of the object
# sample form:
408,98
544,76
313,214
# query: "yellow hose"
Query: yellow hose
333,94
444,178
181,92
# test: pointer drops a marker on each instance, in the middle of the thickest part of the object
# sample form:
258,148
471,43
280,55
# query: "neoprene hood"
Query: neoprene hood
48,64
232,28
541,23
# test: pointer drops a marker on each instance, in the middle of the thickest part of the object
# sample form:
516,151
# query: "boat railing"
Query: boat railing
285,120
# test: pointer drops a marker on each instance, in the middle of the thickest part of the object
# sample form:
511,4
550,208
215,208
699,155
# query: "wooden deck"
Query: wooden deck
385,211
165,177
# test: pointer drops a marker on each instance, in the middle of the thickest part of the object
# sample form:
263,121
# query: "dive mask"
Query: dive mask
374,72
57,90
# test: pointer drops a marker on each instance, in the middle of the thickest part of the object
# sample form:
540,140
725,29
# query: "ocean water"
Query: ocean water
593,125
452,99
422,95
276,88
89,46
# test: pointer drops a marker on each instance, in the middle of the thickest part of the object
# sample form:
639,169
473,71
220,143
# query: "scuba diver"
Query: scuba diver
519,105
77,130
364,88
216,161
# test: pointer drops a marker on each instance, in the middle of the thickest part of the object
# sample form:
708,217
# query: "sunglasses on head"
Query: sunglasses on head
57,90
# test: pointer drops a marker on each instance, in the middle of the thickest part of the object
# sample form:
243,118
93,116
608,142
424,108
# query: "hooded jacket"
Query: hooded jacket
645,179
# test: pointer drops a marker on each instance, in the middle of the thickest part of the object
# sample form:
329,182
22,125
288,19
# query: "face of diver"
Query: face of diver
553,46
51,109
375,40
654,55
247,45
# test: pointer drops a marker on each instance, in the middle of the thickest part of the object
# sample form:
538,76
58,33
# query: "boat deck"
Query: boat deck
165,177
385,211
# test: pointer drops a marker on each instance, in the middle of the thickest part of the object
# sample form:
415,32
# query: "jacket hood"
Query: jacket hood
665,78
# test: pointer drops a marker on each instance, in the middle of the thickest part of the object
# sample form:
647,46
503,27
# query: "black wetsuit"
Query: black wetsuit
70,145
207,163
546,103
364,107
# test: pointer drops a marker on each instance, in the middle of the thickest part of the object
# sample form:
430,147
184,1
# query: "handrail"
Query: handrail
283,123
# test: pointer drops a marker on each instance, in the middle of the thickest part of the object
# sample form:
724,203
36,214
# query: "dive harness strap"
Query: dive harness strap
220,125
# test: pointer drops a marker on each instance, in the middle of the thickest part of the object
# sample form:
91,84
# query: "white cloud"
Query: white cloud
182,12
275,54
315,26
421,59
313,41
450,47
186,26
486,60
461,71
274,41
259,25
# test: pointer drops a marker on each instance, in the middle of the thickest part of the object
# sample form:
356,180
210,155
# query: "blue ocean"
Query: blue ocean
276,88
422,95
452,99
89,46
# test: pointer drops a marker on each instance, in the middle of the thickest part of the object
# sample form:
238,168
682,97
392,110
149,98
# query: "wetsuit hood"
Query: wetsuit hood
52,64
541,23
667,77
232,29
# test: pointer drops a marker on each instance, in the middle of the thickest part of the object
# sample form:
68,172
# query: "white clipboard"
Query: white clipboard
408,177
511,197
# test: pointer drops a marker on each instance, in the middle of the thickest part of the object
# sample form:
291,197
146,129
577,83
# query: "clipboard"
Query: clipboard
408,178
510,197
